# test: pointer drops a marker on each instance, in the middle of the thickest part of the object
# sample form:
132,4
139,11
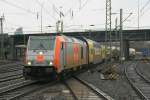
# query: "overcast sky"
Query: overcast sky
26,14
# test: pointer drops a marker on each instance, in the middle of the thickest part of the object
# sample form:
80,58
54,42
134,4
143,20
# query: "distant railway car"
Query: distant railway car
97,53
91,50
132,52
107,56
103,52
94,52
145,52
115,52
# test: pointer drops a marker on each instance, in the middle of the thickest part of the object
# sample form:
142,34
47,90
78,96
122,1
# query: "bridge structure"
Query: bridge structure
99,36
17,41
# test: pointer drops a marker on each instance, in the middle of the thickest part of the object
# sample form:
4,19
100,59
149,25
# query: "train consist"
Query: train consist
51,56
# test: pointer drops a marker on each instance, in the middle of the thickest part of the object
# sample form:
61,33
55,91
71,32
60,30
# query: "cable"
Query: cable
146,10
55,9
17,6
142,9
84,5
127,17
15,13
10,23
136,27
45,9
81,7
142,12
145,5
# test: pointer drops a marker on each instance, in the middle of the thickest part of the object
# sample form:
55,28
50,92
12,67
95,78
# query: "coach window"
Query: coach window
92,51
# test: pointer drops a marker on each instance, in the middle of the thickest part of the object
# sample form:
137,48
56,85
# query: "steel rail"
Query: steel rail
100,93
15,86
138,91
34,87
11,78
10,74
71,91
140,74
11,64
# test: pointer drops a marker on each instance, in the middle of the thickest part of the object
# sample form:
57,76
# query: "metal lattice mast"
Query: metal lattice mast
108,25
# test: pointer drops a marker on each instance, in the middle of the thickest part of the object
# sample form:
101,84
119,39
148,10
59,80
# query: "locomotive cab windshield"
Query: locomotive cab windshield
40,51
41,43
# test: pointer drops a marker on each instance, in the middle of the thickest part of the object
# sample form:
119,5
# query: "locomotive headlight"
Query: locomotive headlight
50,63
29,63
41,53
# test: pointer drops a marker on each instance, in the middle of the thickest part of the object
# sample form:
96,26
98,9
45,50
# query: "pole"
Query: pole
41,18
62,26
106,33
60,23
110,41
57,27
2,40
61,20
116,28
138,14
121,36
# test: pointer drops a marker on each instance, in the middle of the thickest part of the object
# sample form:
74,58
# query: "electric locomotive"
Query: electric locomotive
39,57
52,56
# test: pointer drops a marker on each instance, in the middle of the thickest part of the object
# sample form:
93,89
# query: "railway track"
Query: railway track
73,89
16,87
13,85
27,91
11,78
10,75
10,67
138,81
81,90
9,63
4,62
12,91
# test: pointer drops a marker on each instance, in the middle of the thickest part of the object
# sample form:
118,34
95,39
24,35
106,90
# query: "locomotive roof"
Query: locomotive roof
40,37
72,39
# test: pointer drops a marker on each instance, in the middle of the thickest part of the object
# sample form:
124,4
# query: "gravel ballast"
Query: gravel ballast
144,68
118,89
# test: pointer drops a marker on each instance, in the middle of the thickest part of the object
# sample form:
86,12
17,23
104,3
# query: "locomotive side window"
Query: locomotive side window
70,50
81,52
